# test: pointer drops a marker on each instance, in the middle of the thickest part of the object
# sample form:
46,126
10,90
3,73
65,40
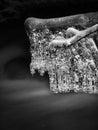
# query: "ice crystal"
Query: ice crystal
68,58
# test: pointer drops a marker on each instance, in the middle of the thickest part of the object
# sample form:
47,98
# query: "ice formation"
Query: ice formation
68,56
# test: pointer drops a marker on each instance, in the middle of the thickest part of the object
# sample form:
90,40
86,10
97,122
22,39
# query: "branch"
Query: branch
60,41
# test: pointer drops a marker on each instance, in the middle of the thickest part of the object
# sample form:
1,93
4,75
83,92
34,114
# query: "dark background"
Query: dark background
25,101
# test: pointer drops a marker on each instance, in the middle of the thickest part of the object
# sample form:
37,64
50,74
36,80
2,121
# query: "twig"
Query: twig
60,41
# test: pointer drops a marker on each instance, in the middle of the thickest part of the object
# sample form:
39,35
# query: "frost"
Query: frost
69,61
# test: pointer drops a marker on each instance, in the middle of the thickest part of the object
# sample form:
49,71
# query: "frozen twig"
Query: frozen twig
78,35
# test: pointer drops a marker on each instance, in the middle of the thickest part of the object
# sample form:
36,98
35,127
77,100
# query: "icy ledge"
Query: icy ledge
70,62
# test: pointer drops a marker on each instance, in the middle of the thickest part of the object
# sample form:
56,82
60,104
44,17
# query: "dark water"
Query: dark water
28,104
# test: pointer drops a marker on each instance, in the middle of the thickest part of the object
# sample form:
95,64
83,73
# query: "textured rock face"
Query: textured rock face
67,53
